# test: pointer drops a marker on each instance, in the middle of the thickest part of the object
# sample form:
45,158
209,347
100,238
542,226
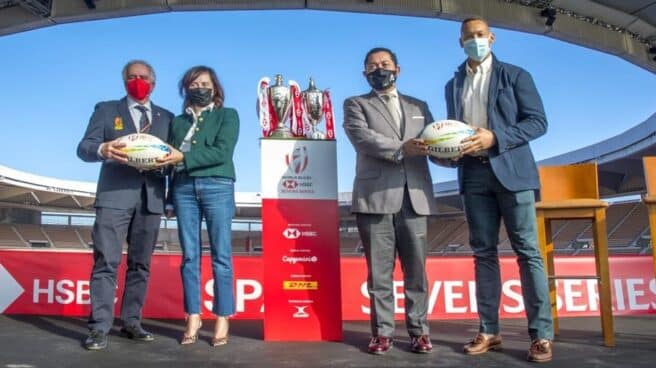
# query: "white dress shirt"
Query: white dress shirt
185,146
475,95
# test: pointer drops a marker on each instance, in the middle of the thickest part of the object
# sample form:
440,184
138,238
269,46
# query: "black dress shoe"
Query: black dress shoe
136,332
97,340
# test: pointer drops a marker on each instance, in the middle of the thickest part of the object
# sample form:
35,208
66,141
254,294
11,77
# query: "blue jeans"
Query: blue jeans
214,199
486,203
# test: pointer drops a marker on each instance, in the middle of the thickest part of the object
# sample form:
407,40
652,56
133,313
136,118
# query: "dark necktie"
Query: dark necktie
144,122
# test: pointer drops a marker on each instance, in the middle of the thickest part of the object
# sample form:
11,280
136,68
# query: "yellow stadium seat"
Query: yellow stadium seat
571,192
649,166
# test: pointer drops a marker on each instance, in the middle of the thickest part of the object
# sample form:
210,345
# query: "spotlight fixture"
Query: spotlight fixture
91,4
550,14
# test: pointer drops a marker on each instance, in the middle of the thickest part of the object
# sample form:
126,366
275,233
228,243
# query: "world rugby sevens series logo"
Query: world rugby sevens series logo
298,160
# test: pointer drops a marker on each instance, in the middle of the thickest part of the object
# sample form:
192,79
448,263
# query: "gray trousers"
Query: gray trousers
383,236
140,228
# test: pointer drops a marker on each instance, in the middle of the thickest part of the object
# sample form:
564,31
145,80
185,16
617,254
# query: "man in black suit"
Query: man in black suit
129,204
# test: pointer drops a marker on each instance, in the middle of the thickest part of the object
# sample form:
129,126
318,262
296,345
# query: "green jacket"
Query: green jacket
213,142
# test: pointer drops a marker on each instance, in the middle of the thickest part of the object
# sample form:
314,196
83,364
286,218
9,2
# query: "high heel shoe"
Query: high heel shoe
218,341
190,339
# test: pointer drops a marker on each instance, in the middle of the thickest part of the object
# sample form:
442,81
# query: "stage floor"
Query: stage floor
36,341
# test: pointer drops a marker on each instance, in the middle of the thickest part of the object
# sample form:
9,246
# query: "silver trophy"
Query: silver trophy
281,98
313,104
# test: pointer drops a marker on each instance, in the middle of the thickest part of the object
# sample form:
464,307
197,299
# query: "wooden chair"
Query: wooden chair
567,193
649,166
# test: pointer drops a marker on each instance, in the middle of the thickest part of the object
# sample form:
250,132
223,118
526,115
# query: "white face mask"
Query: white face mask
477,48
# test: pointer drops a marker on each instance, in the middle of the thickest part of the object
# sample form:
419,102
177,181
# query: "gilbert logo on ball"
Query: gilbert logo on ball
143,150
444,137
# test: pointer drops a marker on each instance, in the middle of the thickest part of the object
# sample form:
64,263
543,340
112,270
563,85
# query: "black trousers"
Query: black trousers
139,228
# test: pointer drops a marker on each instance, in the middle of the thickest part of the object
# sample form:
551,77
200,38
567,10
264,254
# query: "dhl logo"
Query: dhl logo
300,285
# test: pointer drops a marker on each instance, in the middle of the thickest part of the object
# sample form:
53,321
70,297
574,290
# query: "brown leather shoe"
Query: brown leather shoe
380,345
421,344
540,351
482,343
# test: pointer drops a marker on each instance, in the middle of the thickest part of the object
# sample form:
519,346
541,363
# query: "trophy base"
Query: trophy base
317,135
281,133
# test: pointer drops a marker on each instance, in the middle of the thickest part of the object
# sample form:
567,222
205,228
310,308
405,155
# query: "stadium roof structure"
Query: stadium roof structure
625,28
19,189
23,190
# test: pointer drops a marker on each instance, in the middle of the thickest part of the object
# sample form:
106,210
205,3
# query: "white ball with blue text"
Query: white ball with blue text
143,150
444,137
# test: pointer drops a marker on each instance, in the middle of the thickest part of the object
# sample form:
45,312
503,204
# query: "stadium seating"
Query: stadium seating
9,237
33,235
628,233
62,236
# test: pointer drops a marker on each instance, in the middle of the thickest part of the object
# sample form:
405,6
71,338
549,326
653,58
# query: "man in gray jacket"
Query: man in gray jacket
392,195
129,204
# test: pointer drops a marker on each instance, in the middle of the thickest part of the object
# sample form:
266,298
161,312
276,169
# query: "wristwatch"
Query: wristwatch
399,155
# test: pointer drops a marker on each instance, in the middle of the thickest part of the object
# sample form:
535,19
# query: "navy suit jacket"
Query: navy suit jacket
515,116
119,186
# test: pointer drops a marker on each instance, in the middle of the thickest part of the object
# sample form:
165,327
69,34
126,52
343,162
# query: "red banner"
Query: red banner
300,231
57,283
301,264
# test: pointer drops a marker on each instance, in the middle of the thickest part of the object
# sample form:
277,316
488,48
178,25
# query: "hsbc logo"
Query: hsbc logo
298,160
289,184
294,233
291,233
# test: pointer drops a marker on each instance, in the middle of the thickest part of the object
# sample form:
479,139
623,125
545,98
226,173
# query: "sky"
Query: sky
54,76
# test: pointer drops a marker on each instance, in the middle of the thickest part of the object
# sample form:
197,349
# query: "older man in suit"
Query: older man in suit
497,176
392,195
129,204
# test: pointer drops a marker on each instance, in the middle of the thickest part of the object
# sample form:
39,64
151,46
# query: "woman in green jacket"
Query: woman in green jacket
203,139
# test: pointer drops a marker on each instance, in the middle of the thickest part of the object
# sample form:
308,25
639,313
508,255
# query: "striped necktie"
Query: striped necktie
144,122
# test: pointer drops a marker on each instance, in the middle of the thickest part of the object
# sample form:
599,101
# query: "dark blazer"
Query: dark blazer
119,186
515,116
380,179
212,144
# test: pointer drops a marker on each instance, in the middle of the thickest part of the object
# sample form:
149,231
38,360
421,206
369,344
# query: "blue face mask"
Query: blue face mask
477,48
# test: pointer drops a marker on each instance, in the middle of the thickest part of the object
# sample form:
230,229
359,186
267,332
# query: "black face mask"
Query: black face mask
381,79
200,96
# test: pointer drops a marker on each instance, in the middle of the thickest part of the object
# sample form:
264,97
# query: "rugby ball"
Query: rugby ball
444,137
143,150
